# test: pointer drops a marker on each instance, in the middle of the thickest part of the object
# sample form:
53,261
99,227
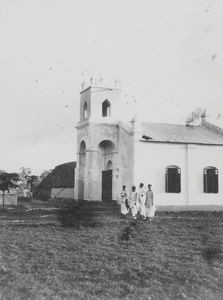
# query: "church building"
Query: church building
183,163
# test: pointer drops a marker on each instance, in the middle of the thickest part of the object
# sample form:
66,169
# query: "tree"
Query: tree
7,182
31,180
44,174
23,175
27,181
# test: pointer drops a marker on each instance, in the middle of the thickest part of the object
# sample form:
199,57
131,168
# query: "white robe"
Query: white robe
141,200
124,209
149,205
133,203
150,212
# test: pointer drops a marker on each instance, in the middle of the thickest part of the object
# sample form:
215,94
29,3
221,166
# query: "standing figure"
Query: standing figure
141,200
133,202
149,205
124,201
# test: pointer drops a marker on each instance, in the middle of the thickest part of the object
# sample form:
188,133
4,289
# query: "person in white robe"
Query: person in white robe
124,201
141,200
149,205
133,202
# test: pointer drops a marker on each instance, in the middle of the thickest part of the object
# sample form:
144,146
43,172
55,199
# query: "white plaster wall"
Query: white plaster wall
98,96
85,97
82,135
62,193
200,156
93,175
150,162
125,160
9,199
93,134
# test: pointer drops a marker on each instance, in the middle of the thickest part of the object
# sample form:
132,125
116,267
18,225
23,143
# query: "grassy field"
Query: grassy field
177,256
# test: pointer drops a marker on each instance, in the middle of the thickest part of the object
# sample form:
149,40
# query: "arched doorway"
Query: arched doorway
107,149
82,162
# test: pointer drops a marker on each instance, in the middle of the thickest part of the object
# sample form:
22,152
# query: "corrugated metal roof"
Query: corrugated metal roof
174,133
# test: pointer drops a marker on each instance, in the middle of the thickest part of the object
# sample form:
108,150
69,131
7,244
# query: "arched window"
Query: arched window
85,114
106,108
109,165
210,175
173,179
82,147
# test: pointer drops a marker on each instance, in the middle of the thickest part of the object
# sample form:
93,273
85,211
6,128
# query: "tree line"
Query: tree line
22,180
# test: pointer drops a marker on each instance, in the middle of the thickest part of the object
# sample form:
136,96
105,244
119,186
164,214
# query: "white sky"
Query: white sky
168,55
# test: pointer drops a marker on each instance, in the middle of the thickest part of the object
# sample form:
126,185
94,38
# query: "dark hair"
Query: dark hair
141,184
133,188
149,185
124,186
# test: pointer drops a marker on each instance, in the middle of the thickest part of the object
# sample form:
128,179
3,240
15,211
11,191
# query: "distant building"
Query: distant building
183,163
9,198
58,184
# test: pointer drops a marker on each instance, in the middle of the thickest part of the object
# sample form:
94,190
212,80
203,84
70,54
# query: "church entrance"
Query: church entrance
107,185
106,158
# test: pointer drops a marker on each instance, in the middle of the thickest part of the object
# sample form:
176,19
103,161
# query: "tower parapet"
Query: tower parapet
99,103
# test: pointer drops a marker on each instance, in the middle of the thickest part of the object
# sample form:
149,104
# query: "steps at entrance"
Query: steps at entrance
98,208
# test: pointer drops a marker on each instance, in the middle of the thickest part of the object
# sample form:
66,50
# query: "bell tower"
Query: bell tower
100,104
100,144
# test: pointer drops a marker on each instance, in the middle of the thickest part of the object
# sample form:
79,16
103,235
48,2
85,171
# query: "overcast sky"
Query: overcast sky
167,54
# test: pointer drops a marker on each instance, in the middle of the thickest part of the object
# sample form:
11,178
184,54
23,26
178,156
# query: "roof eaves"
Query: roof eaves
186,143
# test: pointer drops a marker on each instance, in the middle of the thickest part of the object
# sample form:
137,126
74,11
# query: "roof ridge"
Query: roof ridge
174,124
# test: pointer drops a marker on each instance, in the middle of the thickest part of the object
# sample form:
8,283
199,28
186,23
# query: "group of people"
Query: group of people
138,202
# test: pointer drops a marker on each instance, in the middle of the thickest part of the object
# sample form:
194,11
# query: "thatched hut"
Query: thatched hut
58,184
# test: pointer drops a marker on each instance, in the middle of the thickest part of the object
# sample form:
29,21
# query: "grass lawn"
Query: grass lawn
177,256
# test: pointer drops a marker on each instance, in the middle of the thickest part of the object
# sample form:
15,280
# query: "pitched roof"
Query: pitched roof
62,176
173,133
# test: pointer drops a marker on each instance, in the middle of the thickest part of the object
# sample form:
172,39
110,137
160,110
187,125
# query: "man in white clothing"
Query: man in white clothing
141,200
133,202
124,201
149,205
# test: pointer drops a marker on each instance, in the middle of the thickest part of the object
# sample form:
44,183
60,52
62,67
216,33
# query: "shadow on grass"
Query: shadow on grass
212,253
125,234
76,218
87,214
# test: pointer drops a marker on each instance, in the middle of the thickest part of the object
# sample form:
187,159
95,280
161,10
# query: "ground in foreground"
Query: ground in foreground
176,256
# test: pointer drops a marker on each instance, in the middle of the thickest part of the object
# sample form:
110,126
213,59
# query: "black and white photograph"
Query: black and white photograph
111,149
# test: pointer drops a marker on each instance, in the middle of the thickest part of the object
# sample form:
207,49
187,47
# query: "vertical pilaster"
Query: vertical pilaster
93,176
136,133
76,178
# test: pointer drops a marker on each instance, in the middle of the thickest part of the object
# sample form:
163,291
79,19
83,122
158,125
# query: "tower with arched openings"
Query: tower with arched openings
102,160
